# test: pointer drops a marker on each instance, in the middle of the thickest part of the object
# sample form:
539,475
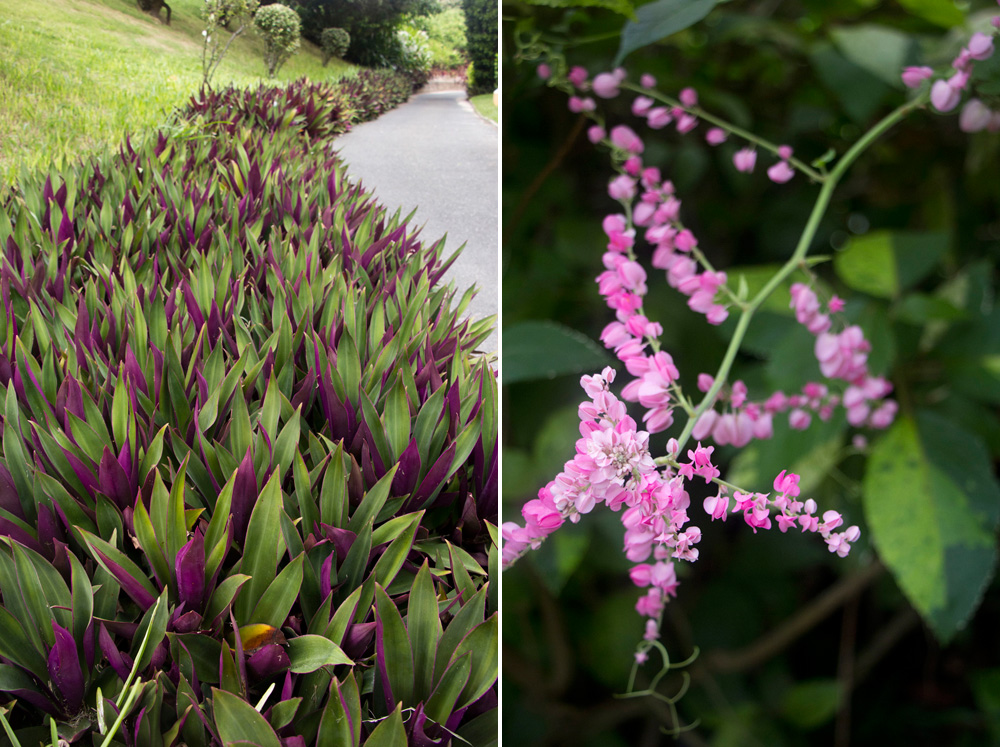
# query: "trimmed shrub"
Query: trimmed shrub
483,44
247,458
335,43
280,28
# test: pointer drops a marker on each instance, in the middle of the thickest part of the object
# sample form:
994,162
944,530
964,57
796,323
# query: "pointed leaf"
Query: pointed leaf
310,652
238,721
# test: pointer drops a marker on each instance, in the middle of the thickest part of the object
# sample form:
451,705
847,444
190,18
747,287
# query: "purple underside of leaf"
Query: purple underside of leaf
133,371
83,474
138,724
380,663
190,569
42,698
245,493
65,229
435,476
129,467
114,481
16,533
8,494
296,741
418,737
130,585
357,639
406,476
88,642
268,661
487,502
120,662
64,668
49,530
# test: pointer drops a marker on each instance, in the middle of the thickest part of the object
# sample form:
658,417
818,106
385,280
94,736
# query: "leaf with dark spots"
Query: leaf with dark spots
64,669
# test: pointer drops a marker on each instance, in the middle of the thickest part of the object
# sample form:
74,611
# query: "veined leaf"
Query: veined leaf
932,505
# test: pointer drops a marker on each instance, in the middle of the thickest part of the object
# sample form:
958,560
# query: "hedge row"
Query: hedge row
248,485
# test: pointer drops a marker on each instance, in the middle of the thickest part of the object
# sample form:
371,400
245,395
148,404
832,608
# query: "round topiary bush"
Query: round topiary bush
335,43
281,28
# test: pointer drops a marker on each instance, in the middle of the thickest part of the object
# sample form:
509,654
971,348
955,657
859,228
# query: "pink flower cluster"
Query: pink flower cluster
844,356
743,422
611,459
946,93
756,509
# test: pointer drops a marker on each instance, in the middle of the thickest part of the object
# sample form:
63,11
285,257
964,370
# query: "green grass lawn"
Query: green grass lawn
485,106
75,75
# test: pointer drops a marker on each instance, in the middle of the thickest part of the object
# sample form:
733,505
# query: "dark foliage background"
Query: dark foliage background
782,627
481,25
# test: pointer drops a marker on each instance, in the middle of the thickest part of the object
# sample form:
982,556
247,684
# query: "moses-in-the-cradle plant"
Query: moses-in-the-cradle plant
248,483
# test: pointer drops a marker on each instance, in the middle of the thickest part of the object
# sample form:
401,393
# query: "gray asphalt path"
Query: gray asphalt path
436,155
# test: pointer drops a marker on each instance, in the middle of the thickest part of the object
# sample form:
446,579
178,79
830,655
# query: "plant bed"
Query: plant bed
248,489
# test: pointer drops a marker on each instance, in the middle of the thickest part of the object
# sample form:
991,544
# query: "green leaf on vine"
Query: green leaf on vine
622,7
659,20
879,50
543,350
932,505
943,13
882,263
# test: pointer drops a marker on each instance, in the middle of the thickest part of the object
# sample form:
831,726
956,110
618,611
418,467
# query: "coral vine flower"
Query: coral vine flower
744,160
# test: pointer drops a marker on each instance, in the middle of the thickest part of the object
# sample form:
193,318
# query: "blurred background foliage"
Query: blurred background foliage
897,644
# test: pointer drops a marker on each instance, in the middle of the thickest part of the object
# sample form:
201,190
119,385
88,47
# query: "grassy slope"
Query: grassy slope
76,74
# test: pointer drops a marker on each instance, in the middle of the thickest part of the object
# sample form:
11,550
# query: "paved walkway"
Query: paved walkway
435,154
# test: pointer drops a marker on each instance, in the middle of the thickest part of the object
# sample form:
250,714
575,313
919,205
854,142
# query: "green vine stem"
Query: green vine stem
830,182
